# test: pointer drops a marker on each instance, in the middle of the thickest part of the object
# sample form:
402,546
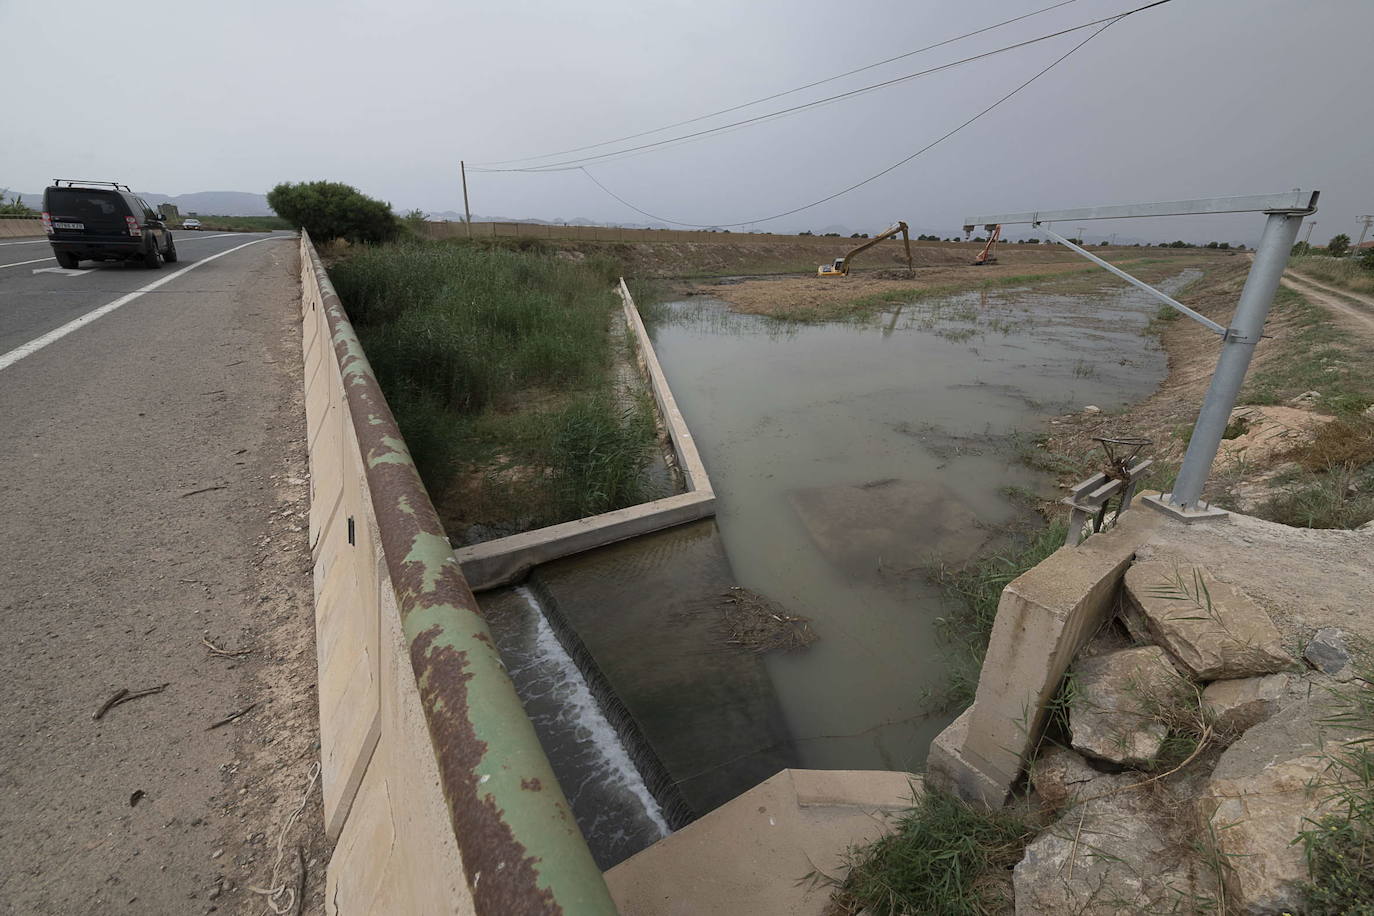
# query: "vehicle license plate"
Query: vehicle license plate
69,225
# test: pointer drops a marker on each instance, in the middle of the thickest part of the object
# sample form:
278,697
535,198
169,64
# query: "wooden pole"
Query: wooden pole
463,168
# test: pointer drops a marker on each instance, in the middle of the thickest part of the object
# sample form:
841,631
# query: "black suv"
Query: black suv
104,221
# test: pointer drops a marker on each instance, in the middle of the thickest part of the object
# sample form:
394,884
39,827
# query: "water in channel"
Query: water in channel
847,459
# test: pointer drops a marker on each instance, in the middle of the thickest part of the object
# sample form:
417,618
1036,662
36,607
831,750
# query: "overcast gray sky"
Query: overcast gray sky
1194,98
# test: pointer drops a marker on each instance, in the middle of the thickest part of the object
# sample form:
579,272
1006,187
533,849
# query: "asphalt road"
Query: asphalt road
153,496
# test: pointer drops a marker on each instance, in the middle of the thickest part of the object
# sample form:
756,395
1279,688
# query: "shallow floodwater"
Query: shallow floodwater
847,458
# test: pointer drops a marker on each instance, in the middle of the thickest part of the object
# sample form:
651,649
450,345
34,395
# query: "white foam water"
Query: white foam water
579,708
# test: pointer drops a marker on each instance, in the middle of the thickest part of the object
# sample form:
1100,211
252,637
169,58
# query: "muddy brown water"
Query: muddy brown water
847,459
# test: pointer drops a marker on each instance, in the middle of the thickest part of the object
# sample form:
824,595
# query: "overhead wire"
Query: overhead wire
778,95
572,164
871,178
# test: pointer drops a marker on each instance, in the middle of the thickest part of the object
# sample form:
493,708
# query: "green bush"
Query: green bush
1338,245
331,210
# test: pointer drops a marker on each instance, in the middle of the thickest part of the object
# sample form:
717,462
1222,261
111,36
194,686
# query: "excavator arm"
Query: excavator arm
841,266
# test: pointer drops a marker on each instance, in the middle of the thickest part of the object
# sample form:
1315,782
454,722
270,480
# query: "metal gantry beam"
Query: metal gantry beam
1289,201
1285,213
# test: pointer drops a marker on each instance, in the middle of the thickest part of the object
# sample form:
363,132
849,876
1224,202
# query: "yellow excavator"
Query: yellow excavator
841,266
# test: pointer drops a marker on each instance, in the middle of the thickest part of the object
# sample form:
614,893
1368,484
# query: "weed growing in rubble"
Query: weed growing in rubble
1340,846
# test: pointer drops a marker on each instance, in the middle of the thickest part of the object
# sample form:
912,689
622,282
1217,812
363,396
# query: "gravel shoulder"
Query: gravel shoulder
155,500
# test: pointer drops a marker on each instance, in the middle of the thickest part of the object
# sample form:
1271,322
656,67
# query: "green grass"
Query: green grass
241,223
972,593
1317,358
1340,846
1345,273
943,857
497,359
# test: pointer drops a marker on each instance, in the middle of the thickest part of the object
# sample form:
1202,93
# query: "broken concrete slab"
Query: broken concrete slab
1213,629
1113,712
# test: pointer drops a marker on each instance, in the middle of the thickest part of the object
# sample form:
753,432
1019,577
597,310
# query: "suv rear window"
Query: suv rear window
93,206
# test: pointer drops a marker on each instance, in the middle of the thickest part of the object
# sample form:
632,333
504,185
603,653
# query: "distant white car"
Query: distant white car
190,224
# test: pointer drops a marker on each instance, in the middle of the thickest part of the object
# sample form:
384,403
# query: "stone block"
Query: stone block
1213,629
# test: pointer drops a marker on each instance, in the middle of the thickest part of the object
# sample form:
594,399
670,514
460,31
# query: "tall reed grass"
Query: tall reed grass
498,359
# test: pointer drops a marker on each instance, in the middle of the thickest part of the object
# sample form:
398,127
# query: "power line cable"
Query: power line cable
875,177
778,95
570,164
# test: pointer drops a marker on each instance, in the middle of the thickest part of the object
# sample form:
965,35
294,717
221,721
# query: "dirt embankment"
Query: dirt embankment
1300,448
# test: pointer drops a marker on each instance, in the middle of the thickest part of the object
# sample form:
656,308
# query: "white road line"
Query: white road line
34,242
38,343
22,263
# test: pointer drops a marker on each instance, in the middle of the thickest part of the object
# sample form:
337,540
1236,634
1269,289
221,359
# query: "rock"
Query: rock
1214,630
1307,397
1120,854
1259,800
1243,703
1328,653
1110,713
1092,408
1059,775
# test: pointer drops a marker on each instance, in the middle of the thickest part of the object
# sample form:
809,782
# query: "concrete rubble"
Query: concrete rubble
1260,797
1112,710
1123,850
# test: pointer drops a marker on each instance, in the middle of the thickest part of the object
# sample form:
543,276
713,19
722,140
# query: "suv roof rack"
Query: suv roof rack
72,182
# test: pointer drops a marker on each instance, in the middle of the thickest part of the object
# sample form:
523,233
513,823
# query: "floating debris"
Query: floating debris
759,624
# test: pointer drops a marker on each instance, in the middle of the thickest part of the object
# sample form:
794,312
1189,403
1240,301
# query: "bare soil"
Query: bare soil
810,297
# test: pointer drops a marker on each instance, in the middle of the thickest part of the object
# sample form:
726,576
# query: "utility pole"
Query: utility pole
463,168
1308,240
1366,219
1081,230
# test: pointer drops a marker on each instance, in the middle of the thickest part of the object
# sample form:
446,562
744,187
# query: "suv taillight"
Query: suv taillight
47,222
134,228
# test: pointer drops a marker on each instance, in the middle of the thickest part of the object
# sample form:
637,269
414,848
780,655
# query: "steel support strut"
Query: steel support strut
1138,284
1238,346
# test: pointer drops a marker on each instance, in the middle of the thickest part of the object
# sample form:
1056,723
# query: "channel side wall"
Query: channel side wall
437,793
20,228
505,560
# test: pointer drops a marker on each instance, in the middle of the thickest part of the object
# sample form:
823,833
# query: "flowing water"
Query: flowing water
847,459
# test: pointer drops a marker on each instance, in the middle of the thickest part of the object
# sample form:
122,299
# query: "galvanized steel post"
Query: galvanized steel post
1238,346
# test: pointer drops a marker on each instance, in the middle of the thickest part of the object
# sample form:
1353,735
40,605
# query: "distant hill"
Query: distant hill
216,203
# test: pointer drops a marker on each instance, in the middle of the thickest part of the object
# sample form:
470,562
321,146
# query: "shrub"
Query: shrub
1338,245
331,210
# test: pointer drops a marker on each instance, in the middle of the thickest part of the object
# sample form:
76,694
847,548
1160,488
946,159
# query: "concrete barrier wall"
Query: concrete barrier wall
436,791
20,228
505,560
